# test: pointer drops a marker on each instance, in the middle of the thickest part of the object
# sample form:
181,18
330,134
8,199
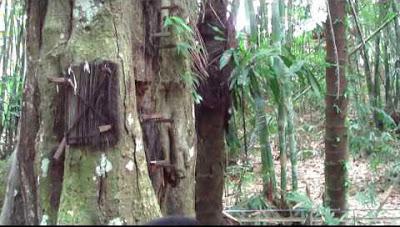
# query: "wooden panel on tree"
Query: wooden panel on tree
88,95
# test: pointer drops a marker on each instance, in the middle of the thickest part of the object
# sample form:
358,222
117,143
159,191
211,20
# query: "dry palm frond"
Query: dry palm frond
199,55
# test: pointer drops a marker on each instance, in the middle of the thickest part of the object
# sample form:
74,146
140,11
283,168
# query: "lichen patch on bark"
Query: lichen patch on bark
104,167
45,166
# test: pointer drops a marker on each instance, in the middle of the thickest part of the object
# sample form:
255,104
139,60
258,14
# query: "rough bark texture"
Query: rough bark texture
12,210
105,185
162,96
336,155
212,115
175,102
29,123
20,205
145,91
111,185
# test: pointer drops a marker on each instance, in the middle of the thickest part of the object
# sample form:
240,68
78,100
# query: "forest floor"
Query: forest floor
369,189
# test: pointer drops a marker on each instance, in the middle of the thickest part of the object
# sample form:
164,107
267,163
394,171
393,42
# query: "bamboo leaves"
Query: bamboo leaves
12,60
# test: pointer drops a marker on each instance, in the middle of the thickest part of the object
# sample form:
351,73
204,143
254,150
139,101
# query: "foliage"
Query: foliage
394,173
188,47
12,77
304,60
368,197
241,179
255,77
380,145
302,201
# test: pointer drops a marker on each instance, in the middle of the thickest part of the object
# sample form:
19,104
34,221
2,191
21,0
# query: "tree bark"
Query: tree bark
162,93
283,82
20,205
212,115
12,212
263,13
336,155
29,123
174,100
74,32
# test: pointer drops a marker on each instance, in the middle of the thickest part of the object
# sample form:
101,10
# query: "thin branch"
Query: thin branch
373,34
353,11
385,198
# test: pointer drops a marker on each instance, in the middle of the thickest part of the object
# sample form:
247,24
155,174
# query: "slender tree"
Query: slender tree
277,39
212,113
251,14
263,15
365,55
260,100
290,19
336,155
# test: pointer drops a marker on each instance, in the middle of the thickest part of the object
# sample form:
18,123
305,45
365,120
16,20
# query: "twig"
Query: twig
385,198
230,217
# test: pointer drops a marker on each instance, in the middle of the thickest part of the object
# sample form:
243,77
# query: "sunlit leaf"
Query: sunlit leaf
225,58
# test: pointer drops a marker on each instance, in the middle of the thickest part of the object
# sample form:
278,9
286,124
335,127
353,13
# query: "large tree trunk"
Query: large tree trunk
99,186
110,185
29,123
166,109
212,115
20,206
336,156
174,101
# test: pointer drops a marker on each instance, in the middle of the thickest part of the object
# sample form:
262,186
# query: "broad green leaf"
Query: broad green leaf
216,29
301,200
219,38
226,56
294,68
316,87
274,86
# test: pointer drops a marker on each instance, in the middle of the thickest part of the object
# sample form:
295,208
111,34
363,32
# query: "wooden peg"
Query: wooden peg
155,117
58,80
160,163
60,148
160,34
171,7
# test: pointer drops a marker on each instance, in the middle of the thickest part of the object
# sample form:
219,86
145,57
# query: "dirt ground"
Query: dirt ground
311,174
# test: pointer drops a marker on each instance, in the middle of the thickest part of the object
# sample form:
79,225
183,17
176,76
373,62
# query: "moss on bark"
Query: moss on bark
92,192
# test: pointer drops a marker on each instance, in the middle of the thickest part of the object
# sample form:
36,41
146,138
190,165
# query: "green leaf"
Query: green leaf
225,58
216,29
178,23
219,38
301,200
243,77
328,216
264,54
182,48
294,68
273,84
